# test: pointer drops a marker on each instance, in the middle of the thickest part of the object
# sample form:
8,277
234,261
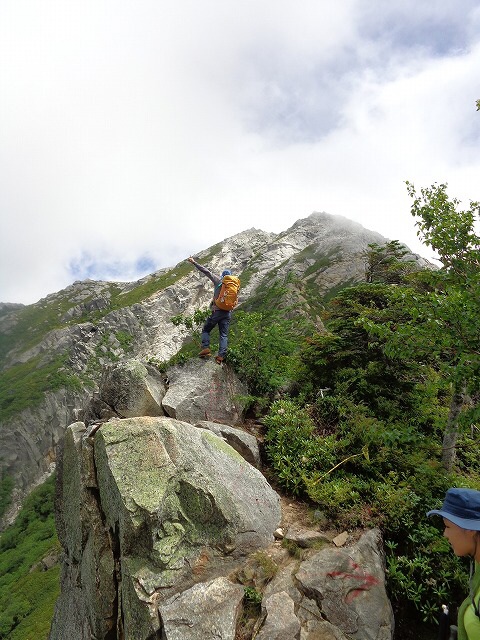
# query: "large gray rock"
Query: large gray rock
335,594
164,519
150,507
203,390
348,586
196,489
129,389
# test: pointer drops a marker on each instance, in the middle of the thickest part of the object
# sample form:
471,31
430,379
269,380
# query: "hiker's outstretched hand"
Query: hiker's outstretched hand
191,260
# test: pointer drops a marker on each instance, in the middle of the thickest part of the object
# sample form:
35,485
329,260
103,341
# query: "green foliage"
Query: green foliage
263,349
186,353
294,449
423,573
441,309
38,592
126,340
451,309
252,596
268,567
263,345
252,601
33,322
27,593
351,360
150,286
320,262
194,321
387,264
294,549
445,228
391,487
339,455
367,448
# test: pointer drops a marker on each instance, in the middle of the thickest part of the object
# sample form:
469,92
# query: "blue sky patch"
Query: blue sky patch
87,266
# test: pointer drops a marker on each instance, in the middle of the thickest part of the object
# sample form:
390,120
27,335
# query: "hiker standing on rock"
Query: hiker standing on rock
225,297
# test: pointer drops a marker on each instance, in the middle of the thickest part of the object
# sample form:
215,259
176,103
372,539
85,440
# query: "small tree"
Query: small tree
452,308
387,263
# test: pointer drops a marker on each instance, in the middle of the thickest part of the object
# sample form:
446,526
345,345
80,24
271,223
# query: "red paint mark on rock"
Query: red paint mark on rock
367,580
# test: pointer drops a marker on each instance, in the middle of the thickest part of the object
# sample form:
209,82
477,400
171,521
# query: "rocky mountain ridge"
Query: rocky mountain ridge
52,353
171,520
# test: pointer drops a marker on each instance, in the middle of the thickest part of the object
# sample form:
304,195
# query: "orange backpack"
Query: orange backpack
228,295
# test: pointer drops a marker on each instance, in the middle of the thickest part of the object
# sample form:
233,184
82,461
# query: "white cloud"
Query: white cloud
146,132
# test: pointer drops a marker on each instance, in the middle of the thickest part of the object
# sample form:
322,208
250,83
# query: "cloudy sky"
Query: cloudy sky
133,134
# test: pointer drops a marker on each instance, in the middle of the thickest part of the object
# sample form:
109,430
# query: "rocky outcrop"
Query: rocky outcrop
170,525
348,587
335,594
127,389
165,527
190,392
149,509
207,611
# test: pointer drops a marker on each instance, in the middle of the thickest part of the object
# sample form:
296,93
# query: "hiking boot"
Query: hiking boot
204,353
219,359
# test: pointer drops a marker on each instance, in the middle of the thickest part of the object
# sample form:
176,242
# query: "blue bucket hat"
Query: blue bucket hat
462,507
227,272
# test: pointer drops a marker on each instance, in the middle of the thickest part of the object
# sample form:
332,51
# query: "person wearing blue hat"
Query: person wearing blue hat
219,317
461,516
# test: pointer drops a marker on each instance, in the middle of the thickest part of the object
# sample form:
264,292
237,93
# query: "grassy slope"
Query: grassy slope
27,591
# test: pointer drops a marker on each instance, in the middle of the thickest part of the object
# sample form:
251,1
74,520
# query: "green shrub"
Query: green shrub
252,595
126,340
40,589
262,349
423,573
362,472
335,496
293,448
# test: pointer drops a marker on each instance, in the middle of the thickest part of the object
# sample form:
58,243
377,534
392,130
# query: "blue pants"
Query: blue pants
222,318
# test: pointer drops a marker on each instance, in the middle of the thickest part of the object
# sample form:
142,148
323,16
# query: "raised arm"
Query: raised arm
205,271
